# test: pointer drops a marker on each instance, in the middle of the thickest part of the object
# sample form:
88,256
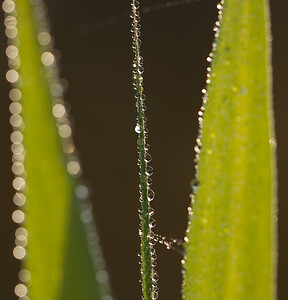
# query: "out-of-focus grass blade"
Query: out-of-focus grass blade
231,253
59,247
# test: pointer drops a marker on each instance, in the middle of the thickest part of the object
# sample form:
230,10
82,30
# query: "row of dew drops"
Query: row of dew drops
201,112
57,88
143,147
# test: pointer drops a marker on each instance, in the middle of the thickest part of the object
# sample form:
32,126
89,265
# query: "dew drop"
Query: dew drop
44,38
8,6
137,128
18,183
20,290
19,252
24,275
11,51
12,76
151,195
19,199
15,94
149,171
18,216
58,110
152,223
47,58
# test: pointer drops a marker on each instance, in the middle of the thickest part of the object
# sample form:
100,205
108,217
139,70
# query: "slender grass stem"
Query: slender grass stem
148,256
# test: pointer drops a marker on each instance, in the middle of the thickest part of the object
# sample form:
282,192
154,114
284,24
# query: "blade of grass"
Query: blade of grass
148,256
63,256
231,253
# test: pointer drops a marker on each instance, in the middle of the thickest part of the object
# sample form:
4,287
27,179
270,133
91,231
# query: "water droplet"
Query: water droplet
11,51
182,261
8,6
10,21
20,290
19,199
186,239
12,76
58,110
152,223
82,192
137,128
148,158
44,38
151,195
149,171
65,131
19,183
24,275
18,216
19,252
73,167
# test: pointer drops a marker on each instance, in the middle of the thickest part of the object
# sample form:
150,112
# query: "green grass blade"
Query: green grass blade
63,255
148,273
231,253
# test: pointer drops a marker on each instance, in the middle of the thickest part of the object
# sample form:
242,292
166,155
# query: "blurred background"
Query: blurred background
96,58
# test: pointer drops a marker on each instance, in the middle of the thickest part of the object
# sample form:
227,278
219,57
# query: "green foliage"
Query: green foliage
59,254
231,251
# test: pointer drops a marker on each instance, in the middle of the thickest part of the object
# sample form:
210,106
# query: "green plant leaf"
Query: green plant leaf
63,255
231,253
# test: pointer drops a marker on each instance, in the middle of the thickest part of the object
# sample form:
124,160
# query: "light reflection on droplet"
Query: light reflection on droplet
86,216
82,192
15,94
10,21
19,252
14,63
18,158
20,290
44,38
19,199
17,168
58,110
11,51
18,183
65,131
16,137
17,148
16,120
24,275
47,58
11,32
21,240
73,167
8,6
15,108
18,216
21,231
12,76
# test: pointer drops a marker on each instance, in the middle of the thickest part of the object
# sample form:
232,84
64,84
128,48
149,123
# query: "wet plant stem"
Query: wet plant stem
147,251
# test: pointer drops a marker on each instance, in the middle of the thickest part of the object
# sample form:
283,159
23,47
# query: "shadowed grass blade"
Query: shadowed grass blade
63,256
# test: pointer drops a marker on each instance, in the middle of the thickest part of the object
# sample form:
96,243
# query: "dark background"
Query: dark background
95,42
